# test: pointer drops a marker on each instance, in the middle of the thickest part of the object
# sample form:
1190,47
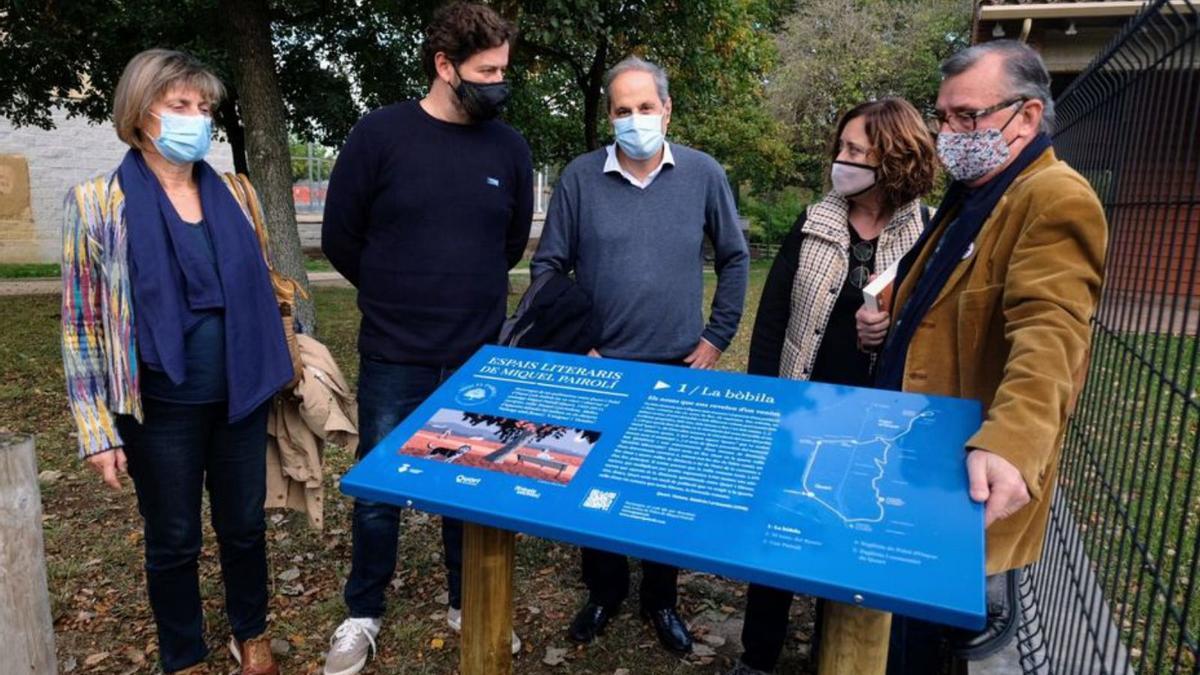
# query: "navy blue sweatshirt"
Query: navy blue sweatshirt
426,218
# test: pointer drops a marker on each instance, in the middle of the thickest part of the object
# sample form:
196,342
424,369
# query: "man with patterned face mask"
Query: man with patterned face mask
993,303
630,221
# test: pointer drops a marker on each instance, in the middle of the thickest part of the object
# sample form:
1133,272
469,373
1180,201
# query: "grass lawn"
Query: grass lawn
1130,468
94,550
28,270
317,265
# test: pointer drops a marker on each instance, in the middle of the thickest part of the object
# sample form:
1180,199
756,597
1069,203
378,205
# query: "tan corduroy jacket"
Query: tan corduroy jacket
322,407
1011,328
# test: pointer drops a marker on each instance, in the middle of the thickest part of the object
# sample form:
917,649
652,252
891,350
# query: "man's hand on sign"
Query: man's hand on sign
704,356
594,354
872,327
109,464
996,483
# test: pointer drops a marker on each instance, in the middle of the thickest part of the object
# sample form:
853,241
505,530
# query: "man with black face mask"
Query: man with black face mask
429,206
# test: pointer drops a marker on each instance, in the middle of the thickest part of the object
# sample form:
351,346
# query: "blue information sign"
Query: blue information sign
856,495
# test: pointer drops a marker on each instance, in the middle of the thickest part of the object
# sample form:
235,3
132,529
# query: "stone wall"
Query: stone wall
57,159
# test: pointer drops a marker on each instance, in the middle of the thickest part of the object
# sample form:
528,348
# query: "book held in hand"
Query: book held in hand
877,295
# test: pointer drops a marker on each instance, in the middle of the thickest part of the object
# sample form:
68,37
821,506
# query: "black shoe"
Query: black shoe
672,631
1003,619
590,622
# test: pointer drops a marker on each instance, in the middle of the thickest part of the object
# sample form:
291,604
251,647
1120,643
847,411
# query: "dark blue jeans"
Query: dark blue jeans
387,393
173,455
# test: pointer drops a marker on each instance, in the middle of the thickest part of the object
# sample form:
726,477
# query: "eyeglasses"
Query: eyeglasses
863,252
962,122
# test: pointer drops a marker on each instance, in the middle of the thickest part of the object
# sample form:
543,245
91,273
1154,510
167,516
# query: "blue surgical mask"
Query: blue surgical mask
640,136
183,139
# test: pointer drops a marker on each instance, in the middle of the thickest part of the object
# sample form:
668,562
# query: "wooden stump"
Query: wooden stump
854,640
487,600
25,621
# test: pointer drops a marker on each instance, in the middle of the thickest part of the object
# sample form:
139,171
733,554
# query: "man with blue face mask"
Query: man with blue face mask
993,303
630,221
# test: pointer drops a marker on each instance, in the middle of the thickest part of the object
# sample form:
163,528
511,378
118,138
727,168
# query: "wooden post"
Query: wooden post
25,620
854,640
487,600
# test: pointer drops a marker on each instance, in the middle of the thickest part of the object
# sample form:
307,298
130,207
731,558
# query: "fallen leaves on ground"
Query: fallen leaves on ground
94,559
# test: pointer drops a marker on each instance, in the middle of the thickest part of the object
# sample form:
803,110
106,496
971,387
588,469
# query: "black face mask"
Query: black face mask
481,101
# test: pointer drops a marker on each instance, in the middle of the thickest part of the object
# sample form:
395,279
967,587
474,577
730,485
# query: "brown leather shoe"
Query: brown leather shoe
254,655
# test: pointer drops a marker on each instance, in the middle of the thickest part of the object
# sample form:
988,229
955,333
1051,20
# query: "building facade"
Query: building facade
38,166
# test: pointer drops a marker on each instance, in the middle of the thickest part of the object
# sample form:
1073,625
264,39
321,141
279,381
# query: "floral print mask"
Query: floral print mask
970,155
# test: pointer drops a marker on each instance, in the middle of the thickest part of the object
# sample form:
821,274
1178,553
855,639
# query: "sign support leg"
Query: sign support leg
487,600
854,640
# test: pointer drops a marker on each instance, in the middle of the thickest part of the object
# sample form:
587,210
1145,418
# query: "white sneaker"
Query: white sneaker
351,645
454,620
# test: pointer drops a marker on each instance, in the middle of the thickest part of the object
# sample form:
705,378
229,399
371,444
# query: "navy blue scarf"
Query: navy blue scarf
968,209
174,285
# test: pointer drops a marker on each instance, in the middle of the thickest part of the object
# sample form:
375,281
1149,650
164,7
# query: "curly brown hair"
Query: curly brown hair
462,29
908,163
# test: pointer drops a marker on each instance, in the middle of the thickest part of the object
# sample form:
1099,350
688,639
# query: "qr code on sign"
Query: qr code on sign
599,500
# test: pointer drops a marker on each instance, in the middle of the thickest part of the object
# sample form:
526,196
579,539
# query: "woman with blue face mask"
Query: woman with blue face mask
173,349
883,161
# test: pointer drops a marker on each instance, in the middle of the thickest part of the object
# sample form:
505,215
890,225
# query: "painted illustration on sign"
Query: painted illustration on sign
546,452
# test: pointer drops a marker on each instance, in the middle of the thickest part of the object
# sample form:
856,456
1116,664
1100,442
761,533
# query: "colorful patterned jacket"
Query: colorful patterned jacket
99,345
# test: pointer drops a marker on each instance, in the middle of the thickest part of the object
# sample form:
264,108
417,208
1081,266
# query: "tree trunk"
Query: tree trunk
232,124
248,38
515,443
25,620
591,95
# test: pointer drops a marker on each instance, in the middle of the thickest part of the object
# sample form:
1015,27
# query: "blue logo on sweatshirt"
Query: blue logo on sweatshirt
494,182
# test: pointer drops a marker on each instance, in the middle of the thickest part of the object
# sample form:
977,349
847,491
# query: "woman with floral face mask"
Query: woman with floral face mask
172,350
883,161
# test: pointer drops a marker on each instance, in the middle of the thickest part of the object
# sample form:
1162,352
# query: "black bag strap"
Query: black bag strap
926,216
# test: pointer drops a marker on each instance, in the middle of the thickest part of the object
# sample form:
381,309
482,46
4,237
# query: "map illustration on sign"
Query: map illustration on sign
847,475
854,495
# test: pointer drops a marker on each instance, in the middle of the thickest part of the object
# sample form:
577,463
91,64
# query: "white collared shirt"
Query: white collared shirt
612,164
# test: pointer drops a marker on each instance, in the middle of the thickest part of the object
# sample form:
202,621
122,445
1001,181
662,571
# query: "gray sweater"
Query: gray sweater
637,252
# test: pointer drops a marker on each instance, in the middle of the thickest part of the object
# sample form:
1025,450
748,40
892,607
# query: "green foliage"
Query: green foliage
772,215
73,52
835,54
722,92
338,59
717,53
335,58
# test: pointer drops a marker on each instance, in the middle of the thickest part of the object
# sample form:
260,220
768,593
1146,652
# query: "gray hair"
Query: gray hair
1027,75
634,63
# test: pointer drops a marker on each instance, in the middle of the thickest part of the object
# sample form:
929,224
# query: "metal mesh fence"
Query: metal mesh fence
1115,591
